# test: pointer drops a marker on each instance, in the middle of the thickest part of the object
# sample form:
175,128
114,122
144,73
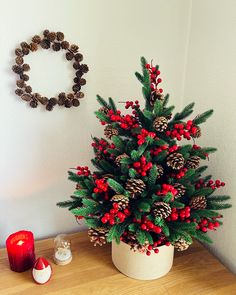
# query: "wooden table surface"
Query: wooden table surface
91,272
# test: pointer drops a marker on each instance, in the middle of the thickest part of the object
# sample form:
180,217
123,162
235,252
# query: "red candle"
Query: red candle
20,249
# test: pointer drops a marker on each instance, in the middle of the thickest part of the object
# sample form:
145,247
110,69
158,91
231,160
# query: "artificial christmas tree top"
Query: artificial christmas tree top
148,190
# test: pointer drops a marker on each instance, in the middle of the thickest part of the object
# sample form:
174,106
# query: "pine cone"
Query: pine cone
198,133
175,161
28,89
20,83
19,52
74,48
45,44
181,245
56,46
160,124
24,77
135,187
76,88
109,131
161,209
119,158
78,57
26,67
132,241
155,95
82,82
36,39
19,60
98,236
104,110
51,36
43,100
121,200
33,103
33,47
65,45
24,45
198,202
84,68
60,36
79,95
69,55
180,188
25,51
17,69
75,102
45,33
26,97
193,162
160,171
52,101
19,92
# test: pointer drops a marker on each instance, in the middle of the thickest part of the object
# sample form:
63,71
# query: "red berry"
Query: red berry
148,253
167,243
158,229
156,251
143,226
216,224
150,247
104,220
204,229
115,205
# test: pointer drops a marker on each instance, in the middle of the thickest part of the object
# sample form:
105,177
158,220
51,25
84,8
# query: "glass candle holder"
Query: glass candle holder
62,250
20,249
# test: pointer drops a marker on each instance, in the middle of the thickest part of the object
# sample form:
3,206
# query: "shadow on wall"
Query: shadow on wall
38,213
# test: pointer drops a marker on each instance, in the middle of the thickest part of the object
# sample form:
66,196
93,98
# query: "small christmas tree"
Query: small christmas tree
148,190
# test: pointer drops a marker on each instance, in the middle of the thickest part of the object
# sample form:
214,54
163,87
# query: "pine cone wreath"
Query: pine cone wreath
198,133
119,158
121,200
160,124
109,131
175,161
135,186
98,236
155,95
198,202
193,162
160,171
180,190
161,209
181,245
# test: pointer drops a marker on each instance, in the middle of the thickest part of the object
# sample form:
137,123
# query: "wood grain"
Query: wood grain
91,272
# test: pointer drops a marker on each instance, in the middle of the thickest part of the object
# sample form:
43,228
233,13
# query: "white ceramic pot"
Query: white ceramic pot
140,266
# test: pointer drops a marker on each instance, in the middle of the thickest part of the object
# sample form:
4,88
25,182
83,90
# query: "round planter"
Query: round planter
140,266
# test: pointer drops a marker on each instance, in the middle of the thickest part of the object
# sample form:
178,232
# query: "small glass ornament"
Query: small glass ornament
62,250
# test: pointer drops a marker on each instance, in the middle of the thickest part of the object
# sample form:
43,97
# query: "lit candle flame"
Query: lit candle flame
20,243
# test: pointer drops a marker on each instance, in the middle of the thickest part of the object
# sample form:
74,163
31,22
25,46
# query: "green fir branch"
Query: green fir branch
202,117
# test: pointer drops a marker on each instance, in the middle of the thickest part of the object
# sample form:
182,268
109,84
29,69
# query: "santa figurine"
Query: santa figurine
42,271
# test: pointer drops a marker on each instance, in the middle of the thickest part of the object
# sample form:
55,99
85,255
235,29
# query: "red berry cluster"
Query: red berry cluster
181,214
142,166
155,80
83,170
115,216
204,225
147,225
155,246
167,188
212,184
179,174
126,122
182,130
196,147
101,186
144,133
157,150
132,104
101,146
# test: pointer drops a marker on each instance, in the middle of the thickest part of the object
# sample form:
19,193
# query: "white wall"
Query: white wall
37,147
210,82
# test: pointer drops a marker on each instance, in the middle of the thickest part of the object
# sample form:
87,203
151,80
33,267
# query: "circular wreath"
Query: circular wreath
56,42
